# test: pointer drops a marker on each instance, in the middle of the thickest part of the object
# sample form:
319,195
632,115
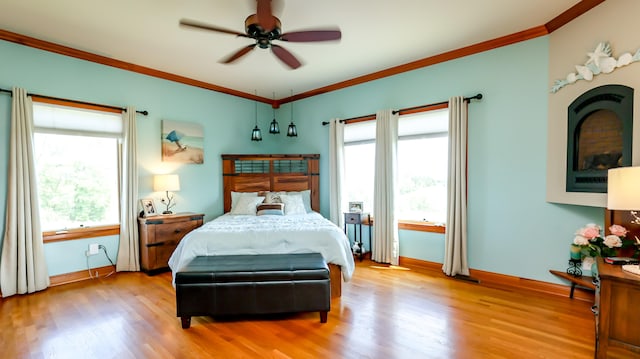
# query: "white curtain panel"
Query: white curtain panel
385,247
23,268
336,171
129,248
455,251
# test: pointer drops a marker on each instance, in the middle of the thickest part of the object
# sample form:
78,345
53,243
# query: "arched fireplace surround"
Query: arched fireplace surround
599,136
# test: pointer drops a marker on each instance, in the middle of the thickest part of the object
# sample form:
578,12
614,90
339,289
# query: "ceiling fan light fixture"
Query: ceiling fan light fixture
264,27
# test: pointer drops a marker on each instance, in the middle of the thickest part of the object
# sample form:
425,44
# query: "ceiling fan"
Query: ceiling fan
264,28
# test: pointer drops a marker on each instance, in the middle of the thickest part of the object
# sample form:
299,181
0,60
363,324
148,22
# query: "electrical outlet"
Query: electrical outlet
94,248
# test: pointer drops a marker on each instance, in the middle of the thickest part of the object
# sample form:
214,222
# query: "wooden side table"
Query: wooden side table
581,281
160,235
617,294
356,219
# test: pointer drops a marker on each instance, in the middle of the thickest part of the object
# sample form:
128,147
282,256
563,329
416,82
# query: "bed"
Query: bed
248,228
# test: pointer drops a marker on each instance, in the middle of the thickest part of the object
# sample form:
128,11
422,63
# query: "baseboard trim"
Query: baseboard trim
484,278
502,281
80,275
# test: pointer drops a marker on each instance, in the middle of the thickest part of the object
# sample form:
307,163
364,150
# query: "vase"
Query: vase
587,262
575,252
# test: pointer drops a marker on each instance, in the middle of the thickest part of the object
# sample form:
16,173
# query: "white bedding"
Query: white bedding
246,234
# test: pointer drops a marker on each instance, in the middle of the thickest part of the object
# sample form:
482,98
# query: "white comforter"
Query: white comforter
240,234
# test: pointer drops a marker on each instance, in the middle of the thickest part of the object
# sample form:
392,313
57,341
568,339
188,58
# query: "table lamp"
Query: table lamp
167,183
623,193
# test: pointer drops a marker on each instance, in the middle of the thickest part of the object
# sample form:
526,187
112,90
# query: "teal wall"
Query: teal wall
512,230
227,123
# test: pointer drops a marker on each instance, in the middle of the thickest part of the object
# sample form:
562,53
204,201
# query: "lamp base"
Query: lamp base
167,212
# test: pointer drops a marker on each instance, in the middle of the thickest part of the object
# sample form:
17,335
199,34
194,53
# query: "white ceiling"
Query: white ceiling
376,34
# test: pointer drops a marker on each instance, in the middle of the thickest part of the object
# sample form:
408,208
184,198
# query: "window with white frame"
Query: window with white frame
422,165
76,159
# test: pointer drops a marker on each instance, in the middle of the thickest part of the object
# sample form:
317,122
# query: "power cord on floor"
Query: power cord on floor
110,261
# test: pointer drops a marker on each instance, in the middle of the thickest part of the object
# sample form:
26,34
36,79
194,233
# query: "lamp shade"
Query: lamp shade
623,190
170,183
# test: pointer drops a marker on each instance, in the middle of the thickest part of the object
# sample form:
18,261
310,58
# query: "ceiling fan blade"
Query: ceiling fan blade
266,20
238,54
312,35
285,56
203,26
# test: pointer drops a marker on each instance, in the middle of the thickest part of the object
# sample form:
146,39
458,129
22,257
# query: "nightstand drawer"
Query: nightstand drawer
173,232
353,218
160,235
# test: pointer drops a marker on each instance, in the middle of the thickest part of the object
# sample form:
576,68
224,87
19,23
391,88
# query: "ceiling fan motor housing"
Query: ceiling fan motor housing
255,31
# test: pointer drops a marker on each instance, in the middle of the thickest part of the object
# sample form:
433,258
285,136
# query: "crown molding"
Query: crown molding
542,30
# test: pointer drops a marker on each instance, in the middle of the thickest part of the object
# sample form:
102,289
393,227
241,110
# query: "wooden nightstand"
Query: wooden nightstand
617,293
160,235
356,219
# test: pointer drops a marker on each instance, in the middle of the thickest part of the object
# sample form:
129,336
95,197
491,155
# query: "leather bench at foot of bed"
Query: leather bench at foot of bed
253,284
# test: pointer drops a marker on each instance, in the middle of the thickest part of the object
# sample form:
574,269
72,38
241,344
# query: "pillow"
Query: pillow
306,199
235,196
293,204
273,197
246,205
270,208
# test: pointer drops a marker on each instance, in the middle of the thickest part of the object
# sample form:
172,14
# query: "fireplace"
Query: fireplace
599,136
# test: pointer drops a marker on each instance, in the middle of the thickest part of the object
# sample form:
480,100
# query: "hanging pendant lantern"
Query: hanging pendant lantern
292,131
256,134
274,128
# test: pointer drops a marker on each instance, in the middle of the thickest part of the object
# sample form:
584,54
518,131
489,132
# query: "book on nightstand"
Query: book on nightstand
631,268
621,260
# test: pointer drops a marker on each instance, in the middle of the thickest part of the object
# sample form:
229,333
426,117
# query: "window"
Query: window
76,159
422,165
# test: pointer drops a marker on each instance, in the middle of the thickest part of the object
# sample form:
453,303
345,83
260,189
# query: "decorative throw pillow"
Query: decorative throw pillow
235,196
270,208
293,204
273,197
306,199
246,205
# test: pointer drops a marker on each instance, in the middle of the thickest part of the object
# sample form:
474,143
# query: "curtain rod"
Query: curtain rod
145,113
373,116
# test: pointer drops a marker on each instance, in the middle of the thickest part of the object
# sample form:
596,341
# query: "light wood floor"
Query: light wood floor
383,313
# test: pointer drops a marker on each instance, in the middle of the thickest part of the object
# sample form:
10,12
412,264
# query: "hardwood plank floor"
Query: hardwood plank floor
383,313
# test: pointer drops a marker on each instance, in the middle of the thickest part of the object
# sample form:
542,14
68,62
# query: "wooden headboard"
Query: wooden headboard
254,173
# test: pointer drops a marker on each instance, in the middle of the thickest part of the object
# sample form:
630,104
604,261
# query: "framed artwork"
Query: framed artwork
182,142
148,207
355,207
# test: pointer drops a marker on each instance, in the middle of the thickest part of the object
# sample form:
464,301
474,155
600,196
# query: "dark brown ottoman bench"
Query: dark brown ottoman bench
253,284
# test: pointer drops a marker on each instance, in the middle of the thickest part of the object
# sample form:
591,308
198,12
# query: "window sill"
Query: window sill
419,226
80,233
